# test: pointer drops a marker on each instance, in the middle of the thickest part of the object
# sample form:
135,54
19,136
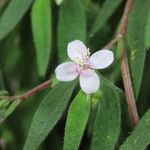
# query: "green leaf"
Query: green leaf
11,108
11,48
48,113
106,11
7,107
4,103
41,26
136,42
1,81
140,138
94,106
107,123
147,36
12,15
71,25
76,121
3,93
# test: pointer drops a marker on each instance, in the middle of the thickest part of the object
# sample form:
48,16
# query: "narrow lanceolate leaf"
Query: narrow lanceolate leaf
136,42
76,121
107,10
71,25
107,123
12,107
140,138
12,15
48,113
7,107
147,36
4,104
41,27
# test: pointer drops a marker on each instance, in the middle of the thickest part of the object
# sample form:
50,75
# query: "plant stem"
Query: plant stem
125,66
129,90
29,93
125,17
124,63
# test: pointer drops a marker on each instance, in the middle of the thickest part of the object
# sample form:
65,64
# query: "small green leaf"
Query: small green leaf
140,138
4,103
3,93
41,26
136,42
48,113
12,15
71,25
76,121
107,10
7,107
94,105
107,123
11,108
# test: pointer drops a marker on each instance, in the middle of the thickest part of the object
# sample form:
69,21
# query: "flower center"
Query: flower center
84,66
83,61
83,58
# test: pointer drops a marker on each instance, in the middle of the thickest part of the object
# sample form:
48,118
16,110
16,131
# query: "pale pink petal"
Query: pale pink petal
101,59
77,50
67,71
89,81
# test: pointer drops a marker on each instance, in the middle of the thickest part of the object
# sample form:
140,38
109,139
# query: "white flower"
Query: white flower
83,65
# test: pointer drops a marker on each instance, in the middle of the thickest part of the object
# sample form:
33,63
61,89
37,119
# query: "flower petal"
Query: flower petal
101,59
77,50
67,71
89,81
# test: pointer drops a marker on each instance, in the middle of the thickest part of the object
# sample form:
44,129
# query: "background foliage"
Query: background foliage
33,39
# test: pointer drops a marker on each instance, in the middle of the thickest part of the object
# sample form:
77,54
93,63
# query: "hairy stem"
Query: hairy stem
125,66
129,90
124,63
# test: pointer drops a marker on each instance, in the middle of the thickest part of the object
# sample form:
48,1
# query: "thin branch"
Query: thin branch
124,63
125,66
123,25
125,17
129,90
29,93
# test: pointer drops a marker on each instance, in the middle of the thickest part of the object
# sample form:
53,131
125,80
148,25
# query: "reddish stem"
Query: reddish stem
31,92
124,63
129,90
